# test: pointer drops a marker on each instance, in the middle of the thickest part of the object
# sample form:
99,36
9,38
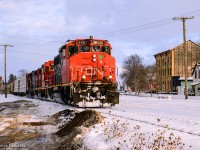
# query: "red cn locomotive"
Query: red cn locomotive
84,75
39,83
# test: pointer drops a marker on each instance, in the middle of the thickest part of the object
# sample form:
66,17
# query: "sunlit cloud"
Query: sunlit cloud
41,22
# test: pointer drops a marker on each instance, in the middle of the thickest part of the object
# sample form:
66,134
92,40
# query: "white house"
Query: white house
196,79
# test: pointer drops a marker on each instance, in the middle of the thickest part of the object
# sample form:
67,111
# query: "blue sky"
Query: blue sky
38,28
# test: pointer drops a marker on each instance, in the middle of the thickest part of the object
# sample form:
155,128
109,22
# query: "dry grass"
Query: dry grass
123,136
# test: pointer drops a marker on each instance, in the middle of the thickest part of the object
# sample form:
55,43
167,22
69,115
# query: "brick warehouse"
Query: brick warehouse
170,65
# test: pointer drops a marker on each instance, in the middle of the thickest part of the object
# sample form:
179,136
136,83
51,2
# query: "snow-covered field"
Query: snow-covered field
174,115
143,119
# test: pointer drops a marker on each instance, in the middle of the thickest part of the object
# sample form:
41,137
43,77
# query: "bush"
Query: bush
121,135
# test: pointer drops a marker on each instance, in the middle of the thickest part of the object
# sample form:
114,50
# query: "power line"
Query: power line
32,53
39,43
132,29
146,26
27,38
191,12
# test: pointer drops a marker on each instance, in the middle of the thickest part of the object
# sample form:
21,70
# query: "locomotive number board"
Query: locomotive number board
88,42
97,42
83,42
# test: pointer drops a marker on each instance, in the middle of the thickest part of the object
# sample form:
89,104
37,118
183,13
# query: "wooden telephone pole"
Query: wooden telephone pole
5,46
183,19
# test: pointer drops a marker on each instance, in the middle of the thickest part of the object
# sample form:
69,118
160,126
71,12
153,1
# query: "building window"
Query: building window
195,74
199,73
169,60
169,71
163,86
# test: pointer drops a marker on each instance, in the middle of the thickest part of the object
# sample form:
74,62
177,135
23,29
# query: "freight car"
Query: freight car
82,74
18,87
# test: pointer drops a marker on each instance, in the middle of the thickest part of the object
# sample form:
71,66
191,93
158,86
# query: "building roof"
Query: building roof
174,47
194,43
162,52
187,42
197,64
183,78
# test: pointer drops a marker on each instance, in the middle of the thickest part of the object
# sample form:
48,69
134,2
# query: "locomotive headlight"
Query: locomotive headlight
83,76
110,77
94,56
94,59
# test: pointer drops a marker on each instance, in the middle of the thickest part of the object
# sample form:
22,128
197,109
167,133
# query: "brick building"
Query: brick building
170,65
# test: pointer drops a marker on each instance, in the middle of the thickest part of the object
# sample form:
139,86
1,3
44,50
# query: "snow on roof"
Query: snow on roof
195,83
183,78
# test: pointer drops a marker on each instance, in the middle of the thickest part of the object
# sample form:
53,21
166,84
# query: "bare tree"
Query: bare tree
22,72
151,77
134,73
11,78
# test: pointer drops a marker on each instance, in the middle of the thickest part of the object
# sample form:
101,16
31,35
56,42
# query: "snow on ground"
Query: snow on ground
45,108
29,123
142,119
175,115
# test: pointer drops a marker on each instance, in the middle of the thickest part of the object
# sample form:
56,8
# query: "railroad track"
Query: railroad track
150,123
130,118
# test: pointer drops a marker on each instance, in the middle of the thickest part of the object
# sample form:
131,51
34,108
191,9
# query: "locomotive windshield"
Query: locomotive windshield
51,67
106,49
46,69
95,48
84,48
88,46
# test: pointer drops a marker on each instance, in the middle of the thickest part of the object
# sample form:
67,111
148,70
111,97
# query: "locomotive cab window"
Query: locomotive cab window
106,49
51,67
95,48
72,50
84,48
46,69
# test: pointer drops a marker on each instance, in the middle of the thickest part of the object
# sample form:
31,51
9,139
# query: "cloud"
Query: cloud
80,24
32,18
39,22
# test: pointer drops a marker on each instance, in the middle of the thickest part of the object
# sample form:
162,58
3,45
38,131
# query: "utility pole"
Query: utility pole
5,46
183,19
